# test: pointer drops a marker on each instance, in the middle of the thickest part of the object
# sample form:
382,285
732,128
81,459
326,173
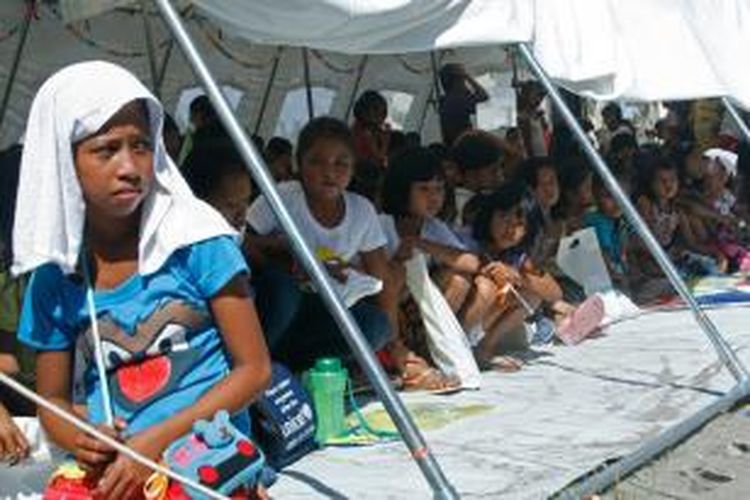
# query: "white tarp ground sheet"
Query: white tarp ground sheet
564,414
528,434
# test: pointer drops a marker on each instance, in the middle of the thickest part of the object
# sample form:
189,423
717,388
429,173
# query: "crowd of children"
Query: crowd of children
176,300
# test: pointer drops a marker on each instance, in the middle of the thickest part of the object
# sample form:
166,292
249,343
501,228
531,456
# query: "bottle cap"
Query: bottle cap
328,365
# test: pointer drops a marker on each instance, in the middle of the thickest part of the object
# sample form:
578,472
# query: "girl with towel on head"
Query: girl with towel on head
101,208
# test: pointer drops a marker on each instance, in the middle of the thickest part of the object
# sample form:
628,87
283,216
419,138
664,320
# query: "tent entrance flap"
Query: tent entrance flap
397,410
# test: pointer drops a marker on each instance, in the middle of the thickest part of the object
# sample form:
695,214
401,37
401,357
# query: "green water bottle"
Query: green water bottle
326,383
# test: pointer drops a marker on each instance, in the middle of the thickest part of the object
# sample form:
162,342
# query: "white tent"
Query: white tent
597,49
635,49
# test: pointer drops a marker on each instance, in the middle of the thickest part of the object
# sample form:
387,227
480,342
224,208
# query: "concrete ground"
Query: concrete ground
714,463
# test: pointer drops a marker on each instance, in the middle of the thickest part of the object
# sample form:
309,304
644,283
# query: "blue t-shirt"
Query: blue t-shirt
161,347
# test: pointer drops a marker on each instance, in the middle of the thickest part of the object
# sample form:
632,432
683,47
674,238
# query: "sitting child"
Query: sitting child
611,231
414,193
658,206
477,154
166,283
278,156
540,201
342,229
723,223
576,197
522,287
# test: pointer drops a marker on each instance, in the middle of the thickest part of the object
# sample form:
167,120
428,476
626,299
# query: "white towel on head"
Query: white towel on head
723,158
72,104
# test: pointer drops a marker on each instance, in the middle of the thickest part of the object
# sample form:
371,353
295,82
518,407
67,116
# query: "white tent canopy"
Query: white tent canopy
633,50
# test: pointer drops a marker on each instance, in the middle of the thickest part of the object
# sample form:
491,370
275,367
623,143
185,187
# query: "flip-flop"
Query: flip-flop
502,364
428,379
584,321
431,381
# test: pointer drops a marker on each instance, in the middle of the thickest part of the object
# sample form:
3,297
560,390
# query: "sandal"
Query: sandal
502,364
419,376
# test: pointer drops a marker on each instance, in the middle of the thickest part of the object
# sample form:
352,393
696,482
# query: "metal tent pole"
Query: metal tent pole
604,478
150,50
435,79
737,118
724,351
267,90
355,87
433,97
350,330
164,65
308,84
16,59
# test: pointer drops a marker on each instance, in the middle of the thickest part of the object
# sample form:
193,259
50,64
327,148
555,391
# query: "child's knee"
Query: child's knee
485,289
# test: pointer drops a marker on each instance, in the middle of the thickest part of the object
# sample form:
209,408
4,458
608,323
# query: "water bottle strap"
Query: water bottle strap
363,424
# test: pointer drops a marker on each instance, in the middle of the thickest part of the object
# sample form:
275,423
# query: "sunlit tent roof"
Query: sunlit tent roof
635,49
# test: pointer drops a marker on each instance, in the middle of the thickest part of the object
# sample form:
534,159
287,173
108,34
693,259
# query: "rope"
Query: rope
29,13
332,67
109,49
215,41
411,68
11,32
120,447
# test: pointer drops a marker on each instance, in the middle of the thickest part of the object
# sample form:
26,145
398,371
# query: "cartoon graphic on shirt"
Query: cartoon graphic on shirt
148,362
328,254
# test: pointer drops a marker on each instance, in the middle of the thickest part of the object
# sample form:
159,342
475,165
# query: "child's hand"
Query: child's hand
501,273
337,270
405,249
260,493
9,364
722,263
13,444
124,478
93,455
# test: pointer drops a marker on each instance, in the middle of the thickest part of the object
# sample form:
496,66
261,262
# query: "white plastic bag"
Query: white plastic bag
448,344
580,257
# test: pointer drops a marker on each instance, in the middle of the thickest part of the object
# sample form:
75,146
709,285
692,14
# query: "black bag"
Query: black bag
284,419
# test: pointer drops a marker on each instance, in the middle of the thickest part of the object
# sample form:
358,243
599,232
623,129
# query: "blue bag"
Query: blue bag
284,419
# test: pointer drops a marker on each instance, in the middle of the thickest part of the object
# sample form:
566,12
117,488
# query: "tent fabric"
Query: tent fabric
379,26
636,49
116,36
646,49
